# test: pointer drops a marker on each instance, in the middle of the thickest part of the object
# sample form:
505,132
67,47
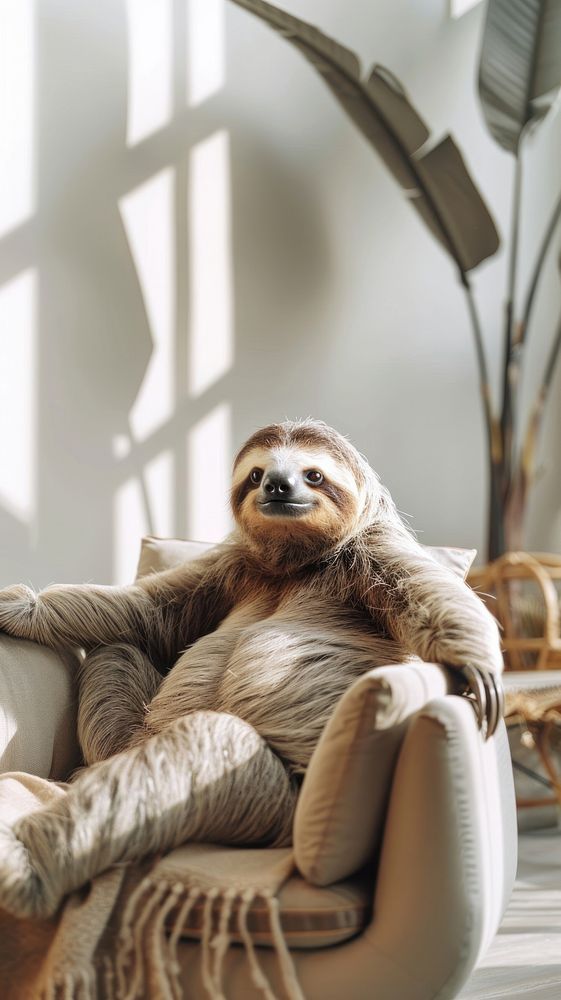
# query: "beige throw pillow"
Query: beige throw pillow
342,805
459,561
157,554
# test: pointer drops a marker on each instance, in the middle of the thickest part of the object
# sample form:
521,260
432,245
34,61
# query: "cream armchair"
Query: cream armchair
405,835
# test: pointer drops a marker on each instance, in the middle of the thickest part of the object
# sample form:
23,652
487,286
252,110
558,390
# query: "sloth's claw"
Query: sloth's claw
485,690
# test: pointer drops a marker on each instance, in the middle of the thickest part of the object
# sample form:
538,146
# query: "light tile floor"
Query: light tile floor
525,957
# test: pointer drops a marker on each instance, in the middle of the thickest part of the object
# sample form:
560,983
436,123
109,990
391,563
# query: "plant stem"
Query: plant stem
484,384
551,362
507,412
534,422
523,474
544,247
495,529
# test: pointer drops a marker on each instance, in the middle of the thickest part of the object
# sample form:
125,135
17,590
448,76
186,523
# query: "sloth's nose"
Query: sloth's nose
279,484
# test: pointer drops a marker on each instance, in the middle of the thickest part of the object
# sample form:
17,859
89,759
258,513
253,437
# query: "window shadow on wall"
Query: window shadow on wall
137,388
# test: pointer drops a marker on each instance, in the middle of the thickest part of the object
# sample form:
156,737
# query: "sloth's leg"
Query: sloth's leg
116,684
208,776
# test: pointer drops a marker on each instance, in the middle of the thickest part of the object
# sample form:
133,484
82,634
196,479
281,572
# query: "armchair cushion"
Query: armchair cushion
342,806
37,709
309,917
157,554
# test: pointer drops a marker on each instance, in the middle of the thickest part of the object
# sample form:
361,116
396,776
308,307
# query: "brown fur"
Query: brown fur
269,628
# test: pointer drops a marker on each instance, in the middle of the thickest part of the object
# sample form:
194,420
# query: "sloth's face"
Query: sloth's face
295,492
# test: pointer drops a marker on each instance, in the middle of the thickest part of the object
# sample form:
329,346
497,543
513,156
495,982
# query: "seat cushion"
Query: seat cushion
310,917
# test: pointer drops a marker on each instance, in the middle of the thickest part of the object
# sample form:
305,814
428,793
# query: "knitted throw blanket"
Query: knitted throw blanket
118,937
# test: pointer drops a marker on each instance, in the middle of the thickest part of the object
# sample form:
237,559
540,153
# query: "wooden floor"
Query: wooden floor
525,957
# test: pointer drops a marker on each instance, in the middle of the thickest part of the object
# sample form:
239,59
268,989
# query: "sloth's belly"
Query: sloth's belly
287,673
193,682
282,673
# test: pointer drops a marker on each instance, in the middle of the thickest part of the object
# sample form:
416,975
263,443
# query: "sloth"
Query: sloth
203,690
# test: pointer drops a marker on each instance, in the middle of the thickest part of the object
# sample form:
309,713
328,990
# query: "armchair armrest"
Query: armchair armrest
37,709
342,806
449,854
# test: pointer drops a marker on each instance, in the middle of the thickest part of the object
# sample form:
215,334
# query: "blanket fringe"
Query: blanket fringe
290,980
126,942
79,985
159,980
222,940
174,968
146,963
206,938
109,978
258,976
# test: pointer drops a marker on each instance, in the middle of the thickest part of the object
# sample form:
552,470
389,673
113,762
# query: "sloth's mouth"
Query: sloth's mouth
286,508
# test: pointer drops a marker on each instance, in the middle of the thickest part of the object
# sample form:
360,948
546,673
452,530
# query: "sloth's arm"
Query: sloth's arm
161,612
426,607
435,615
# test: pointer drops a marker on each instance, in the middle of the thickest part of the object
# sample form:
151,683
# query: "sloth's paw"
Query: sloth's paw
17,611
22,892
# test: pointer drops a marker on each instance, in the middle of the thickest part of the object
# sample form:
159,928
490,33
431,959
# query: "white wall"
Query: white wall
185,269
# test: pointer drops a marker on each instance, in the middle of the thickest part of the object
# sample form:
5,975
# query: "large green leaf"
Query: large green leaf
447,179
436,181
520,65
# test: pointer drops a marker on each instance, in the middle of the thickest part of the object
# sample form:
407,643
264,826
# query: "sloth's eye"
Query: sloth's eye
313,476
256,475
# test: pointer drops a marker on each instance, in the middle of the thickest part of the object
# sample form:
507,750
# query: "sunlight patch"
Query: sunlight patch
208,476
148,217
150,67
159,487
129,526
210,264
18,309
206,64
17,112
